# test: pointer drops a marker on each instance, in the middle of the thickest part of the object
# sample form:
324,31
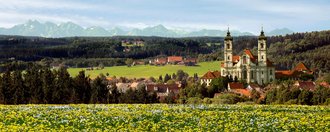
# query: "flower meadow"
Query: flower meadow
164,117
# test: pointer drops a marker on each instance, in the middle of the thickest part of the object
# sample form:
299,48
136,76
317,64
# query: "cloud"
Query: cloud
49,4
185,14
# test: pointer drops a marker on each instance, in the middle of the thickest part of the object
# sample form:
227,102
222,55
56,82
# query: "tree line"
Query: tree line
40,85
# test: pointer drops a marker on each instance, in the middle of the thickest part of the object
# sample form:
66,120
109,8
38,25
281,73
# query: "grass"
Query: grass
148,70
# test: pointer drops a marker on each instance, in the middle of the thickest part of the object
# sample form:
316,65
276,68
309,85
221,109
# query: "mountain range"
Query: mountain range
69,29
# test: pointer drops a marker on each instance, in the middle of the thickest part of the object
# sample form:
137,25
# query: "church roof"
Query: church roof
262,35
249,53
252,57
236,58
228,37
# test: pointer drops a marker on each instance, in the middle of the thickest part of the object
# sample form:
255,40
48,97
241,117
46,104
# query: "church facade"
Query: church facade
248,67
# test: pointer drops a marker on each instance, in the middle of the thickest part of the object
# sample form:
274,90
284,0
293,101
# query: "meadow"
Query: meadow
147,71
164,117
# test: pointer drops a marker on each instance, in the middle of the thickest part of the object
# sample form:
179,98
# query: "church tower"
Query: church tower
262,75
262,49
228,50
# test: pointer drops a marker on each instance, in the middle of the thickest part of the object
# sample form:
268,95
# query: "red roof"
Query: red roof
283,73
161,60
235,58
325,84
295,72
174,58
211,75
301,67
307,85
244,92
269,63
236,85
249,53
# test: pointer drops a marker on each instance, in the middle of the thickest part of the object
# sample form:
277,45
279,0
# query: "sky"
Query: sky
243,15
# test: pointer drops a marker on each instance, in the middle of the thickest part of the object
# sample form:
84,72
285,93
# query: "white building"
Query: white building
247,67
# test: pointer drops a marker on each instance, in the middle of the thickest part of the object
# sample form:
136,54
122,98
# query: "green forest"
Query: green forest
285,51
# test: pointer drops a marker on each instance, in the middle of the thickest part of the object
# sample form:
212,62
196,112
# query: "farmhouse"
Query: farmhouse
174,59
163,90
209,76
298,71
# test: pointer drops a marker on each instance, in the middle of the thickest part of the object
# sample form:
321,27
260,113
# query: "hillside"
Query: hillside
148,71
312,48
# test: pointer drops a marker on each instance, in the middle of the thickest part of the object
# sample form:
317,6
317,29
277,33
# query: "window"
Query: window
271,72
262,45
244,59
228,46
228,57
262,72
262,57
245,74
252,75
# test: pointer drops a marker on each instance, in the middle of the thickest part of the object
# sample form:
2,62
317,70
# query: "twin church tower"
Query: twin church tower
246,66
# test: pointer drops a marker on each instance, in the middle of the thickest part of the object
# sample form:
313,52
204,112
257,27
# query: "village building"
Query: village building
209,76
174,59
305,85
299,70
163,90
248,67
238,88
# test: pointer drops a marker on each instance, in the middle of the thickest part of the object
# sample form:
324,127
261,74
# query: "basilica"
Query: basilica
246,66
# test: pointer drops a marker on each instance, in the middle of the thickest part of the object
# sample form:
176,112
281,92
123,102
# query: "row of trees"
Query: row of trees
291,95
41,85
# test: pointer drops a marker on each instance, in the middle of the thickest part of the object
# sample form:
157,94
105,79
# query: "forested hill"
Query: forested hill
312,48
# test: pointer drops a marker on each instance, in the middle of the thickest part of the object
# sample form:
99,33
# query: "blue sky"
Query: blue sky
243,15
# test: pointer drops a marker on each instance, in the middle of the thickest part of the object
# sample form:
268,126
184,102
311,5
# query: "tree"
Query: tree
2,98
170,98
18,85
166,78
271,96
160,79
327,77
129,62
7,88
181,75
33,92
305,97
218,85
64,87
48,85
141,94
100,92
174,76
320,95
114,94
255,95
82,88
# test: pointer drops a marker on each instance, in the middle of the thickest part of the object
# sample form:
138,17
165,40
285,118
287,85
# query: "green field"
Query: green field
148,71
164,117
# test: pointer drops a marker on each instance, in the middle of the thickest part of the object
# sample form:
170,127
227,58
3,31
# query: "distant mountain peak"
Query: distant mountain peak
69,29
280,31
